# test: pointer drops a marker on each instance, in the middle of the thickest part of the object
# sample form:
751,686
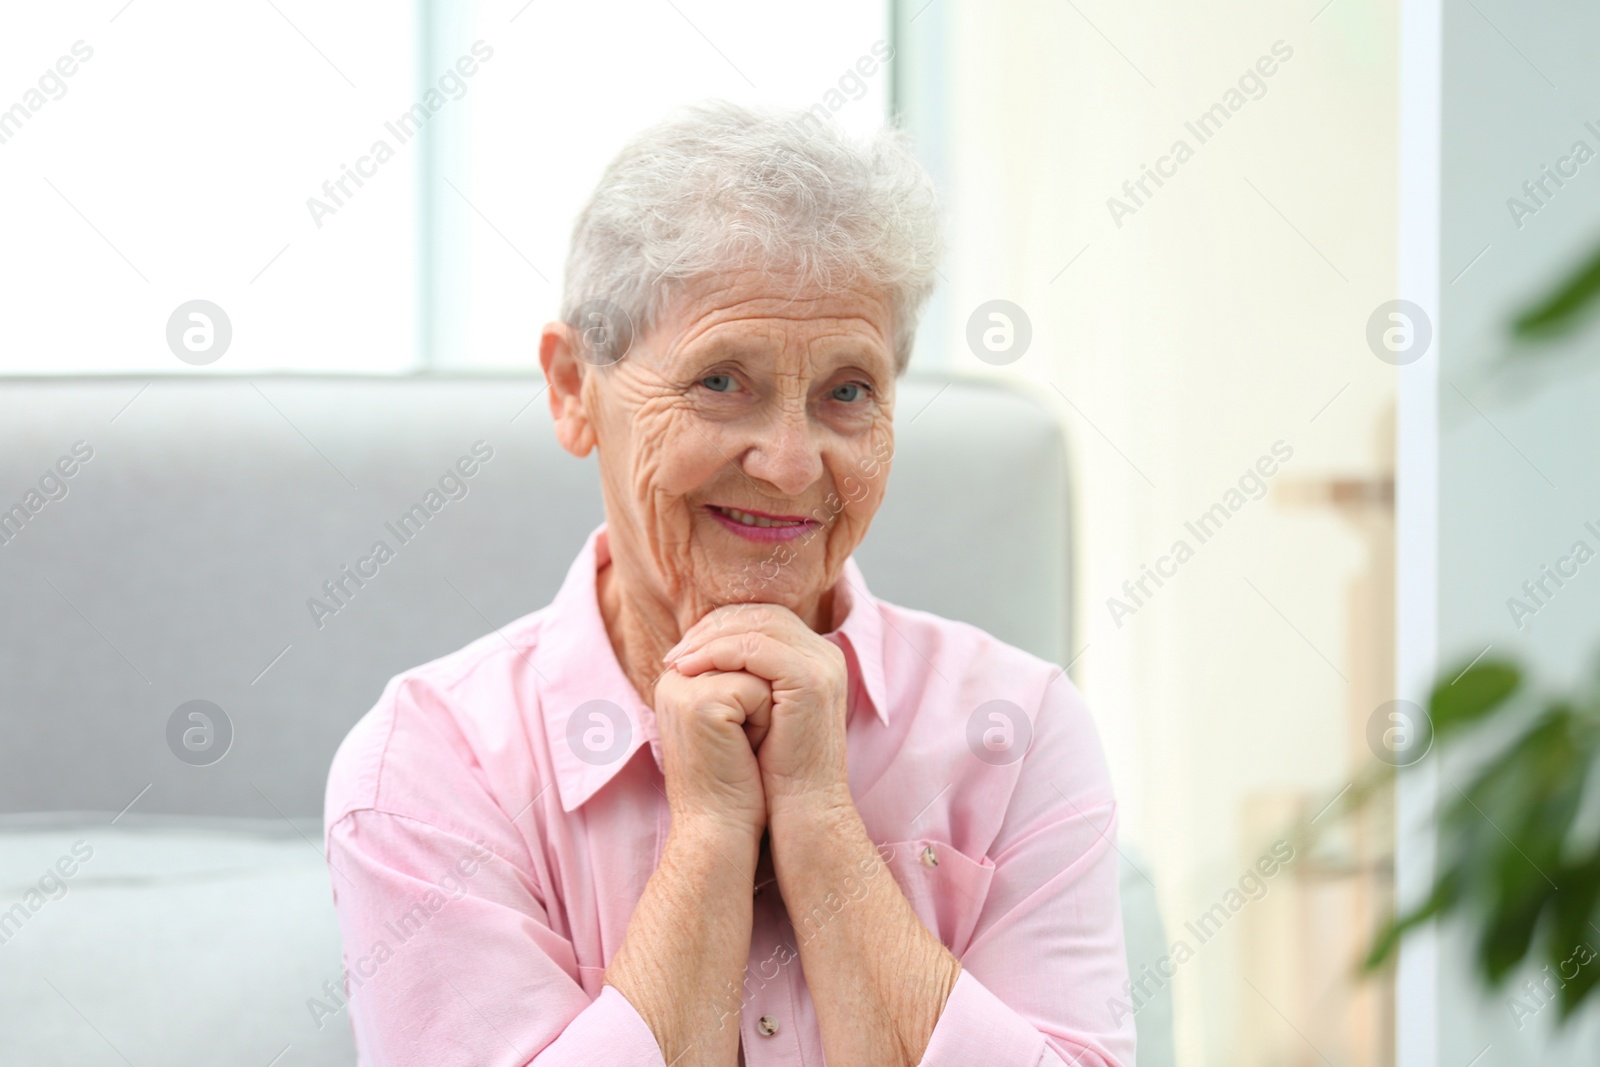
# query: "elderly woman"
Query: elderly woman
860,834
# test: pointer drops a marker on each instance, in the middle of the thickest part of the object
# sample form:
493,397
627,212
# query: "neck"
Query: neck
640,628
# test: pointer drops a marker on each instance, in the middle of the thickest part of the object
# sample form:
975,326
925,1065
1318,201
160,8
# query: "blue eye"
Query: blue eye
849,392
718,383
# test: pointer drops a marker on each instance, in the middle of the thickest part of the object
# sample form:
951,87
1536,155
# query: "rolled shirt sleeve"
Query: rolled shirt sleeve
1044,970
450,959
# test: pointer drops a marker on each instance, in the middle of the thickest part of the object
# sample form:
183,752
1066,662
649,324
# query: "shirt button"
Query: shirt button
768,1026
929,857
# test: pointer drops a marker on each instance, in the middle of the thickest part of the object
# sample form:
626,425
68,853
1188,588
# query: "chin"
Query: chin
751,582
729,566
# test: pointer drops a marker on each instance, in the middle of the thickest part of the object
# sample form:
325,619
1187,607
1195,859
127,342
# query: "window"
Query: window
567,85
356,190
174,163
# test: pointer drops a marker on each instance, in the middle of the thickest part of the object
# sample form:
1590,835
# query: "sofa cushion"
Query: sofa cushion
152,943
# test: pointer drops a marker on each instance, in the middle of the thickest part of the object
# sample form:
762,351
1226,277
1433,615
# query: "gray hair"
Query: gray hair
722,186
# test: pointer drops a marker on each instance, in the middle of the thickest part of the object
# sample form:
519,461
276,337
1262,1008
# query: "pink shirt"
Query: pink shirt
484,867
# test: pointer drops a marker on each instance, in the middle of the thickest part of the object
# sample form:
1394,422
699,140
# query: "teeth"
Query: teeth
747,519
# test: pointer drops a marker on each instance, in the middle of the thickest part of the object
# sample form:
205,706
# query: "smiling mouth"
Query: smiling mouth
760,526
759,518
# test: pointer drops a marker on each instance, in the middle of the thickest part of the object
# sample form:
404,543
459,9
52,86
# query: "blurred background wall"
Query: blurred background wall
1182,333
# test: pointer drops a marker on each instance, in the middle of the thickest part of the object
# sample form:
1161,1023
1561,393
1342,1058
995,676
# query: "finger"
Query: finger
716,621
773,619
743,696
760,654
750,695
757,733
759,721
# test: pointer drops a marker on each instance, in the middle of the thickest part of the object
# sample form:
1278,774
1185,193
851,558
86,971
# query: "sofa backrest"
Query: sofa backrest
166,540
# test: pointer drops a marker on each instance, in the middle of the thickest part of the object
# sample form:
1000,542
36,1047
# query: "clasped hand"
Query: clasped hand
751,709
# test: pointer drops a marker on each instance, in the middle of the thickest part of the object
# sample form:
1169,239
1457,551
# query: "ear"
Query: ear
564,372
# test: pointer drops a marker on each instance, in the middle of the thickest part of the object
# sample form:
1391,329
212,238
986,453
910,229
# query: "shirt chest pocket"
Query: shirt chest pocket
945,887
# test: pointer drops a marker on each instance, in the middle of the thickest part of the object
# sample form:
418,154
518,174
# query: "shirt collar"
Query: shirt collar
576,665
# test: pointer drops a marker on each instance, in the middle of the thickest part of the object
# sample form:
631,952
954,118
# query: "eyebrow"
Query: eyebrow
851,354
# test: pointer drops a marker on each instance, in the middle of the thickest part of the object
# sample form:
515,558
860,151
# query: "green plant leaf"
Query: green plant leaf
1474,693
1581,970
1508,934
1560,310
1577,905
1518,854
1446,891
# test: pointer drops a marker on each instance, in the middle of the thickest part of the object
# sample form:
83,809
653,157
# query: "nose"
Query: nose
786,456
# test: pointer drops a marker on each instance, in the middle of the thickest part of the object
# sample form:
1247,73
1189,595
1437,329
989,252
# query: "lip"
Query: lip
765,534
764,514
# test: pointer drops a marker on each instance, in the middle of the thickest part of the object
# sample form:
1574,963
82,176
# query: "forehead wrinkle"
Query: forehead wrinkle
744,298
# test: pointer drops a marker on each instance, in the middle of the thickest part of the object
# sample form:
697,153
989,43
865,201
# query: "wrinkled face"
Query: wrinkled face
745,443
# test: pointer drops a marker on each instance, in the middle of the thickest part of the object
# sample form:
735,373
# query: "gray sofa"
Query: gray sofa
172,694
